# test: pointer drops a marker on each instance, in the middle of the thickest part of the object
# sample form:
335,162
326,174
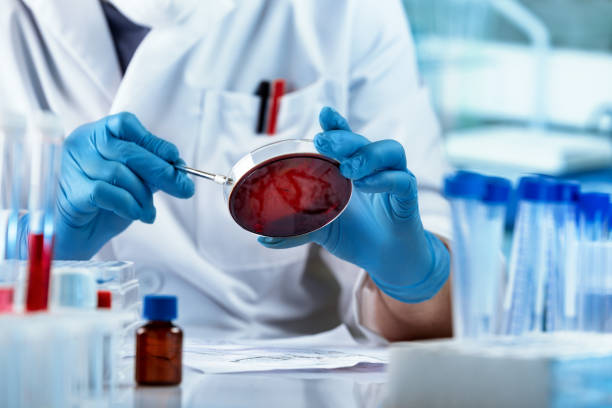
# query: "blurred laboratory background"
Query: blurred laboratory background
521,86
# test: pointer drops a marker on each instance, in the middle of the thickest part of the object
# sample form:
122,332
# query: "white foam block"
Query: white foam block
536,371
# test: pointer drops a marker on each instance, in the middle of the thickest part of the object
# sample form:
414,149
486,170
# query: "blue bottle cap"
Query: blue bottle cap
567,191
497,190
536,189
74,288
594,204
160,307
464,184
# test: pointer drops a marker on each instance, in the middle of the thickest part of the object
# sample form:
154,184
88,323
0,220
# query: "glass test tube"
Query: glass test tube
46,146
561,310
593,296
12,130
530,258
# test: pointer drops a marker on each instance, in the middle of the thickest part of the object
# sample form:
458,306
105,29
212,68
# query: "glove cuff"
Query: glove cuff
431,283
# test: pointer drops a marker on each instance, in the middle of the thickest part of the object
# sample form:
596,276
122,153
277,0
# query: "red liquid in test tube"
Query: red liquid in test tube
40,256
46,148
7,295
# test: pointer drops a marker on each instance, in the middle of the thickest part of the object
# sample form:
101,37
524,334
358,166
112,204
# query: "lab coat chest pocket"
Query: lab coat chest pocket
227,133
229,119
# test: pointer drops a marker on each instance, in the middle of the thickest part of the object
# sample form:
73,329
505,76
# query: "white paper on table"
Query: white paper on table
226,359
299,353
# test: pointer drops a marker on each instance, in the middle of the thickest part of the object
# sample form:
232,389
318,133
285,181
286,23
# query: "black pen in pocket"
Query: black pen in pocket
263,91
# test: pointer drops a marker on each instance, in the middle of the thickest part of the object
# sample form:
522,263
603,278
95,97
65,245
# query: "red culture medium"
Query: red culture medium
40,255
290,195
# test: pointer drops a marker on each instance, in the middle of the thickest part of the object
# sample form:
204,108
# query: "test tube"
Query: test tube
594,209
465,192
12,130
562,281
610,222
46,147
593,231
530,258
495,200
607,249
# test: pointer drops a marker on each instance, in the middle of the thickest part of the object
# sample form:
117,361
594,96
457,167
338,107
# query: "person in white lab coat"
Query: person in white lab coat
186,71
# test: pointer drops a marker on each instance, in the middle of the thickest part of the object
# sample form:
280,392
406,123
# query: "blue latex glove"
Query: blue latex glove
110,170
380,230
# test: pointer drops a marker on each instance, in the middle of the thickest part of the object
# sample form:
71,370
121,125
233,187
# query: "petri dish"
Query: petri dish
285,189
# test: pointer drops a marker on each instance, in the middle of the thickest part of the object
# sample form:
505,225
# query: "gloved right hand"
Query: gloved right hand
110,169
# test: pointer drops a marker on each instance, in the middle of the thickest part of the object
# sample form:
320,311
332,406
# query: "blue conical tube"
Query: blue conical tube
495,202
478,206
561,310
465,192
593,296
530,259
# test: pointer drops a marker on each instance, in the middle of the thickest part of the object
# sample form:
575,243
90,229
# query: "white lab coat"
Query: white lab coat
192,83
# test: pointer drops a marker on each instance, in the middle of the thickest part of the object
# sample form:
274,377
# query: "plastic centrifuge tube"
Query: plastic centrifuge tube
530,258
491,235
465,192
593,295
593,216
46,146
610,222
561,285
607,273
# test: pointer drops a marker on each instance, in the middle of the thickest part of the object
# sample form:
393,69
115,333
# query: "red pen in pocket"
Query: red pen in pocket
278,89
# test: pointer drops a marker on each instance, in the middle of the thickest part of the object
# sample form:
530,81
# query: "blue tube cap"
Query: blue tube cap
536,189
465,184
567,192
594,204
497,190
160,307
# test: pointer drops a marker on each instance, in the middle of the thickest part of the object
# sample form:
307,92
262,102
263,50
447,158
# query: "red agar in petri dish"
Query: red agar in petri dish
290,195
40,255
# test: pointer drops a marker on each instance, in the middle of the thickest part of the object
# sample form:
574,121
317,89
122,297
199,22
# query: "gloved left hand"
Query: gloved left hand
380,230
110,170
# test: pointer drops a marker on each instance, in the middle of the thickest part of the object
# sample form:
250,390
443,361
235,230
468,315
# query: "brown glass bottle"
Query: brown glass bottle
159,344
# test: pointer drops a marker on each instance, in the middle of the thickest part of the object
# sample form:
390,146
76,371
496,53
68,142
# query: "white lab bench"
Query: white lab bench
356,387
538,370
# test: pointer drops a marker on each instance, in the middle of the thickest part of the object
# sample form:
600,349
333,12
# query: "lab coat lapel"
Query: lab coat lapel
208,14
80,26
152,80
163,48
